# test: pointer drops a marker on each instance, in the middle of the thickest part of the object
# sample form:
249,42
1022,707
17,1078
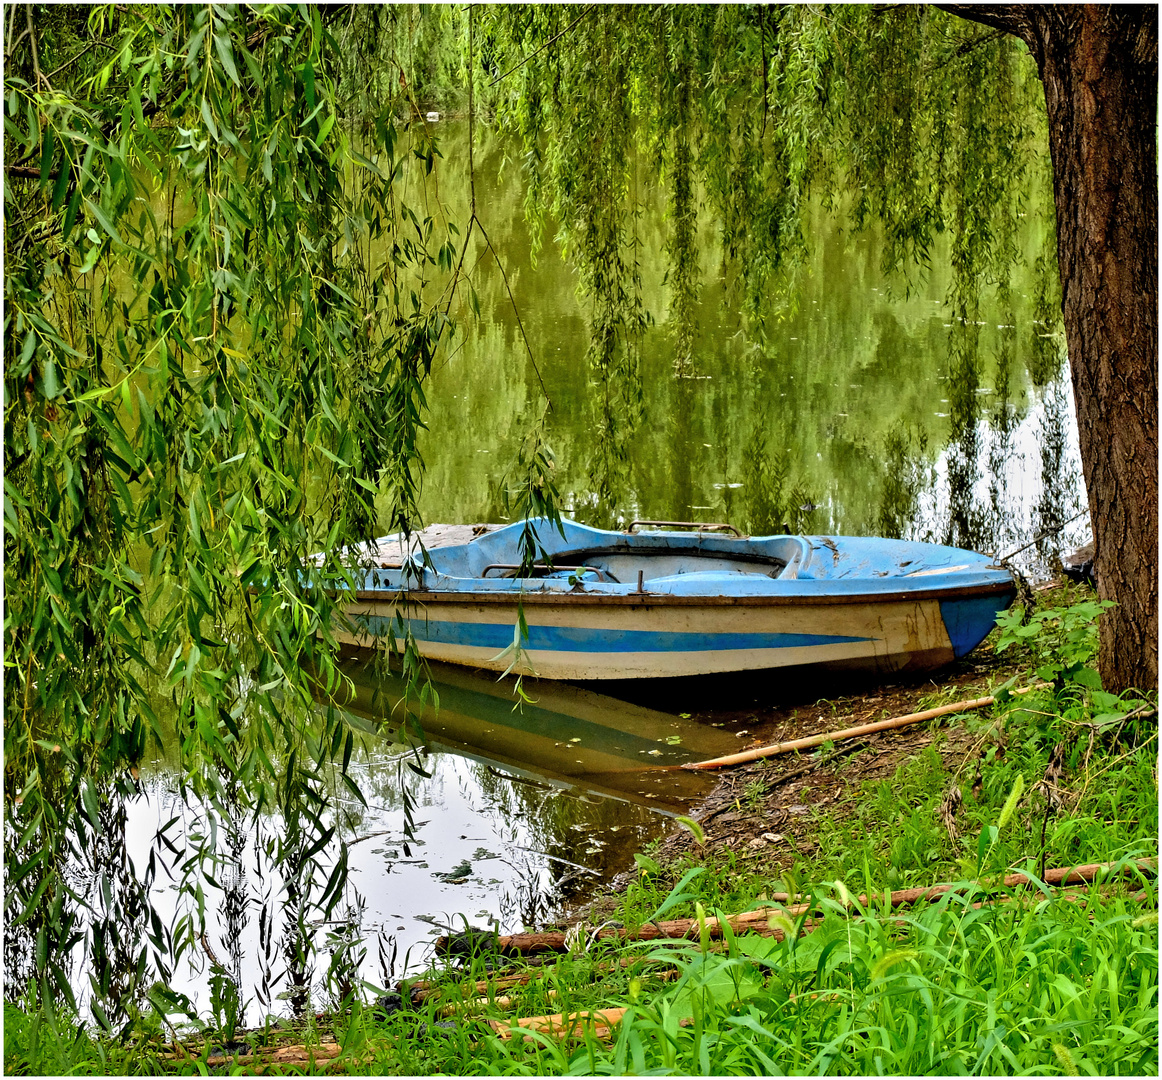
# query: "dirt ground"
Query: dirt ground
763,811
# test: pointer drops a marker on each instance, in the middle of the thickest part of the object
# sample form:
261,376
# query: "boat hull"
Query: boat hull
585,636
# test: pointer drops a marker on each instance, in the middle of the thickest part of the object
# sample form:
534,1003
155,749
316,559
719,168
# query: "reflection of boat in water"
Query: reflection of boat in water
565,735
620,605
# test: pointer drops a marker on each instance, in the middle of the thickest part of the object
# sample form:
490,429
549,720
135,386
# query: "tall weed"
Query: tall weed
1014,987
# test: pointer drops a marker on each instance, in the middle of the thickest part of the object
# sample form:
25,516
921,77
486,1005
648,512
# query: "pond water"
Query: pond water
866,403
526,804
855,415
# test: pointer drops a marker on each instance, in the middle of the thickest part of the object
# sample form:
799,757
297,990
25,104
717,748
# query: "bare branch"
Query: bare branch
524,60
72,60
28,172
35,51
1008,18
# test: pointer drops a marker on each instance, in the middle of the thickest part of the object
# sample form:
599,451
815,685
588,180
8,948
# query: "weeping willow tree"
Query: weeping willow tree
220,310
927,126
227,274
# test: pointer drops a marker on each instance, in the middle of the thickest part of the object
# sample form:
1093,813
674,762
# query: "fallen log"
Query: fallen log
1066,875
505,1002
757,921
596,1022
808,741
295,1055
502,1003
281,1055
422,989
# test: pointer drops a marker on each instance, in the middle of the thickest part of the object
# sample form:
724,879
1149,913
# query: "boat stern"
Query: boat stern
969,619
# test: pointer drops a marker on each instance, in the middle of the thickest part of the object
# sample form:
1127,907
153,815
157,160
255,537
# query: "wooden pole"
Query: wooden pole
420,990
758,921
846,733
597,1022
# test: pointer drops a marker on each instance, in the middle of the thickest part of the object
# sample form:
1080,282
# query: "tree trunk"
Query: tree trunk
1099,66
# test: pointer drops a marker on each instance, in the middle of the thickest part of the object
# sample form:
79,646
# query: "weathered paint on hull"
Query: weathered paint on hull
663,638
606,605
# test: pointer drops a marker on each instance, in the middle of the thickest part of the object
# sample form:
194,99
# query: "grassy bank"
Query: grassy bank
1035,985
833,977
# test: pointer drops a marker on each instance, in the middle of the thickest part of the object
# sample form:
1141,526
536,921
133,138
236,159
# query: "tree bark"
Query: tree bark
1099,67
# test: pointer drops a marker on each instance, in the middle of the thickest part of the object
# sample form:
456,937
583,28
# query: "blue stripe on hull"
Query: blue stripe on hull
587,639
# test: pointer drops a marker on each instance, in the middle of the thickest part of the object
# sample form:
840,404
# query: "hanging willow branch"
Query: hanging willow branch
196,403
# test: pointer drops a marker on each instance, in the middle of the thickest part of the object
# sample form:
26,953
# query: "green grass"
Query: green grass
37,1043
1035,986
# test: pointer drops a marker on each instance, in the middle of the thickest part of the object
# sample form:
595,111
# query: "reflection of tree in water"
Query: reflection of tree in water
906,475
1059,499
676,439
296,940
774,502
1003,509
983,442
1046,353
20,935
608,470
587,830
117,945
236,899
998,524
115,924
966,526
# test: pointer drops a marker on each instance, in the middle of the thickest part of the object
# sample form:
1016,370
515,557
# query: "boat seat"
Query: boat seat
710,576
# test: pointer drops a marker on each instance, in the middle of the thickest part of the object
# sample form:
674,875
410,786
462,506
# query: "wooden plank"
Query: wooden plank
598,1022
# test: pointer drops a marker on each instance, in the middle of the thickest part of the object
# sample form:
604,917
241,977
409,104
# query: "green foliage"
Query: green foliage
904,118
1014,988
587,184
38,1042
904,479
529,491
773,503
1063,642
225,1005
402,56
220,310
693,828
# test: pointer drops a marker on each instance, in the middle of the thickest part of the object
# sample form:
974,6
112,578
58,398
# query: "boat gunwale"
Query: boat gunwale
512,597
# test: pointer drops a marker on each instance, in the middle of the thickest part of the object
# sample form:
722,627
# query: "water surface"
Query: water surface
519,805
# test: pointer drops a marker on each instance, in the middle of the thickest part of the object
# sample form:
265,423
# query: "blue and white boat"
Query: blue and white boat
654,602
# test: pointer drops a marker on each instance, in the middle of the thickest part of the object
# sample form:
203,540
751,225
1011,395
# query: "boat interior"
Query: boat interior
622,567
779,557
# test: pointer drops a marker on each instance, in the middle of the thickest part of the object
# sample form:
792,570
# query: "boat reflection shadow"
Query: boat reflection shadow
562,734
